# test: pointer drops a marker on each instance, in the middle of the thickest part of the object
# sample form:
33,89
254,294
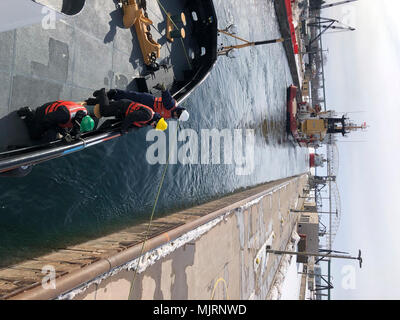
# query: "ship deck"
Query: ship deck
78,55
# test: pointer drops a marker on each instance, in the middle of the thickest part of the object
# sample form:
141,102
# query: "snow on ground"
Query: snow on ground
291,285
282,272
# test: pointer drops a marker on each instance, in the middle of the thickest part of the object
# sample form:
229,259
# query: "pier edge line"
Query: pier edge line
79,277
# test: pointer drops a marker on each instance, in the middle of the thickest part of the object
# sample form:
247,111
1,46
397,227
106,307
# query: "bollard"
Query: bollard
179,19
178,33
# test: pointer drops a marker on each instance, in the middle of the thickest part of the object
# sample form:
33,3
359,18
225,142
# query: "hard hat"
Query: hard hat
184,116
161,125
87,124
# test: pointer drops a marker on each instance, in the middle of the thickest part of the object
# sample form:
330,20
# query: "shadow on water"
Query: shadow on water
272,130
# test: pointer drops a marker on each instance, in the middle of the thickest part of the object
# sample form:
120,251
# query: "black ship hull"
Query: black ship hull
186,64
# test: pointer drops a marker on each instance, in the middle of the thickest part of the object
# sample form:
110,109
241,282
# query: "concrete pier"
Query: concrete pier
221,264
212,251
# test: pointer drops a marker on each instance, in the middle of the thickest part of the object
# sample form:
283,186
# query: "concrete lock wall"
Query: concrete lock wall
227,261
212,251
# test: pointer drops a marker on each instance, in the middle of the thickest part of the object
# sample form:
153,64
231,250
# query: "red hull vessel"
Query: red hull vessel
291,114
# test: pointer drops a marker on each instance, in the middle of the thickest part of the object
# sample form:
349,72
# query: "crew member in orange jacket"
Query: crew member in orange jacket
132,113
67,118
165,105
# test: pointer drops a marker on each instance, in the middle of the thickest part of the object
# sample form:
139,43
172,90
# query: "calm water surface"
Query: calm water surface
111,186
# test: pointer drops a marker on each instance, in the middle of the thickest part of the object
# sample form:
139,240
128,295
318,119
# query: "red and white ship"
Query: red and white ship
310,126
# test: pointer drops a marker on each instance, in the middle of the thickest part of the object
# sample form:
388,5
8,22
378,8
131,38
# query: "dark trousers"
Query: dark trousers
140,97
114,109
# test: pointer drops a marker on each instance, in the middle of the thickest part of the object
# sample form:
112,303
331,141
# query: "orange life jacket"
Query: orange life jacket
136,106
72,107
159,107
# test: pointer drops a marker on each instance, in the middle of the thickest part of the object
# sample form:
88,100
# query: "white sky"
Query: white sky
362,73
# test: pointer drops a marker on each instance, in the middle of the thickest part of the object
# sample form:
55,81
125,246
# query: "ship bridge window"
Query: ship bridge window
194,16
68,7
203,51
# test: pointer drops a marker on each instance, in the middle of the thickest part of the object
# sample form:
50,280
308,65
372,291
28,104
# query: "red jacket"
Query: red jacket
136,106
161,109
72,108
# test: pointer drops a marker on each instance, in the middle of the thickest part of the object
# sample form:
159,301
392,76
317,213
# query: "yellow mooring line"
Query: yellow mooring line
151,219
215,287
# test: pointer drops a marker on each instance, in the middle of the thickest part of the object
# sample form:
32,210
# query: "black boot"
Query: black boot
25,113
92,101
99,92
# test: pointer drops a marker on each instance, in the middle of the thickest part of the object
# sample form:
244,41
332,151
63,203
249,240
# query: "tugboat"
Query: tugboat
311,127
171,42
